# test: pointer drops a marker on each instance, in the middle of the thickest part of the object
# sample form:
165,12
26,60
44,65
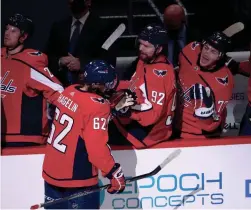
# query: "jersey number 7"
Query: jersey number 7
56,140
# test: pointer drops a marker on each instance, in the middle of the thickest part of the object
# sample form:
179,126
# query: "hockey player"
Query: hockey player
205,85
245,127
155,87
26,85
77,145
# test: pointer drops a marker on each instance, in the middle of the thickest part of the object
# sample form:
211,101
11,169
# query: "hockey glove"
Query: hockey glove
125,102
117,179
203,101
122,99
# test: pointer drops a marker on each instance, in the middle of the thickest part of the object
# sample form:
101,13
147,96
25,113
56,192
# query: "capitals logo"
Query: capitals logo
7,87
194,45
160,72
222,81
35,53
98,100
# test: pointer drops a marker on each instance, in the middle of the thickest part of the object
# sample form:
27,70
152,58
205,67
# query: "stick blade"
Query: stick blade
34,206
114,36
234,29
172,156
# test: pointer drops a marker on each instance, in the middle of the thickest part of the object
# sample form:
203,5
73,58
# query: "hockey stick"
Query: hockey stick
114,36
234,29
172,156
156,10
186,197
180,3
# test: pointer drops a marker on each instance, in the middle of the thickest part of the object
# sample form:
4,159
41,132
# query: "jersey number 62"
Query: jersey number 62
64,119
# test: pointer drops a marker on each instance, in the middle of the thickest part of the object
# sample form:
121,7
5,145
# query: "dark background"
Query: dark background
208,15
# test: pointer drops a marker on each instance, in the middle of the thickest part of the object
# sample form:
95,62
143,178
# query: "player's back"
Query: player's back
66,162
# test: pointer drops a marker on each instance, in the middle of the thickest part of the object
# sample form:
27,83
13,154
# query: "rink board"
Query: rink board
221,172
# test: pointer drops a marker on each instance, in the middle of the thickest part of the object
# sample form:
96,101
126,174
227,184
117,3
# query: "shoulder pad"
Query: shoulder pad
33,57
97,99
99,104
192,50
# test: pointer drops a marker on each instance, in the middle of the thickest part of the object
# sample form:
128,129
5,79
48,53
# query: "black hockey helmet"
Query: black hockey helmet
219,41
24,24
155,34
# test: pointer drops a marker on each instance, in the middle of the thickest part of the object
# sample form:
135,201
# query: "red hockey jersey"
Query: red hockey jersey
203,95
246,67
249,81
153,114
243,68
77,145
26,83
249,85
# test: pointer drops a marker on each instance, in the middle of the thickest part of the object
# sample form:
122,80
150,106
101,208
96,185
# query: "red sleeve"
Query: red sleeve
244,68
42,80
205,125
123,84
212,126
95,134
157,94
189,54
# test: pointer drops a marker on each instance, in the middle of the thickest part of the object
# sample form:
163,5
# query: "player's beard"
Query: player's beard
144,57
96,90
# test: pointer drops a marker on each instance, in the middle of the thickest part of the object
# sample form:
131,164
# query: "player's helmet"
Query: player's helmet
100,72
24,24
219,41
155,34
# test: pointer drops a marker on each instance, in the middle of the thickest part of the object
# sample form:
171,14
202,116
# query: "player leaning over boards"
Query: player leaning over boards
155,86
205,83
26,85
77,145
